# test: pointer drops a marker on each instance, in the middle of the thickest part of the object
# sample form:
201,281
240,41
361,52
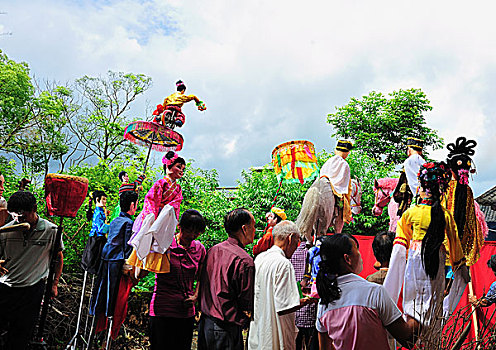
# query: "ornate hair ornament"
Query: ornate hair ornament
179,83
434,176
459,158
170,161
461,146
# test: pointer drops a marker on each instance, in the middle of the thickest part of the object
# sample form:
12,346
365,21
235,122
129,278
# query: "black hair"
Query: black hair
93,198
179,160
332,251
126,198
278,218
121,174
192,221
180,85
235,219
491,263
21,201
382,246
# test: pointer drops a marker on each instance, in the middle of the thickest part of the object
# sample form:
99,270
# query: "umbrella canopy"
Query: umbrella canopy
154,135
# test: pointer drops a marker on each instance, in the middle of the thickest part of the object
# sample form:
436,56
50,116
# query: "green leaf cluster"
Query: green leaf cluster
380,124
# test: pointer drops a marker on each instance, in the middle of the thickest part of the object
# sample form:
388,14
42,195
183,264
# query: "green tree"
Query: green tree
16,91
380,125
103,117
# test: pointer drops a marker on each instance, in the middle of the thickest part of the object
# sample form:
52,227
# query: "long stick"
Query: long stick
474,312
49,283
148,156
273,203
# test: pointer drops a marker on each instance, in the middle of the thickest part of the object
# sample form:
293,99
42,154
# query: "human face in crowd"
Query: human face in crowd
271,219
176,171
102,202
29,217
249,231
294,242
354,259
125,178
188,236
132,208
2,183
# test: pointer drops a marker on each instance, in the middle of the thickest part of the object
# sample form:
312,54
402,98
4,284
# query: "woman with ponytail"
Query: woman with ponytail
98,233
164,196
422,230
354,313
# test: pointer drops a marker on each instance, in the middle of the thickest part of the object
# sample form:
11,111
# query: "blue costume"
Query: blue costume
96,240
114,254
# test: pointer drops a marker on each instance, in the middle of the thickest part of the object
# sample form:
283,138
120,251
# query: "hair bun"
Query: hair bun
169,155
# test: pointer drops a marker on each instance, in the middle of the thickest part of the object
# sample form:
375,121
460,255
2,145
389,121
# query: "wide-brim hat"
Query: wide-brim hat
415,143
344,146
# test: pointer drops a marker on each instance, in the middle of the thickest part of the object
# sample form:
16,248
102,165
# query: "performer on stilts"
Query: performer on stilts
327,201
153,231
173,104
163,202
98,235
114,254
406,189
422,231
459,200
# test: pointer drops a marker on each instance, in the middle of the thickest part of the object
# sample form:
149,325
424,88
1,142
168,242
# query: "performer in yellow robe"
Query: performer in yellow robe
421,231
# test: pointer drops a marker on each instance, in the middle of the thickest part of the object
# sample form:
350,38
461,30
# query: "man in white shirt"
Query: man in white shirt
276,293
407,186
337,171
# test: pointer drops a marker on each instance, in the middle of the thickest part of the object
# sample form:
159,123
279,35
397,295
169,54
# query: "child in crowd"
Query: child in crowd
490,297
382,247
98,234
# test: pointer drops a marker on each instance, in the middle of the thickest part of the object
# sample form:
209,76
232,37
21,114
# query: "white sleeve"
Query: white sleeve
396,273
286,295
412,167
387,309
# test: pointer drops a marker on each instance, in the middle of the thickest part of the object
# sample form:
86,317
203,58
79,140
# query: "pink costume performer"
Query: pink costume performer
155,226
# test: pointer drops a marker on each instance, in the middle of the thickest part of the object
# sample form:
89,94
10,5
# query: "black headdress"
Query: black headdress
459,154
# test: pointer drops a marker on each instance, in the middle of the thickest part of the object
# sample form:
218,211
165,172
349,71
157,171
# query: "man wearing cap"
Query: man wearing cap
408,183
273,217
337,170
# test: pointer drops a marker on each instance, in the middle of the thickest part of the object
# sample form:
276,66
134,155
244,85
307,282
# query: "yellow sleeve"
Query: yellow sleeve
456,256
167,100
404,232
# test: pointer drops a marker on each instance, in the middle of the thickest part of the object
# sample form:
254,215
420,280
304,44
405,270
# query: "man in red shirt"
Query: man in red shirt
226,286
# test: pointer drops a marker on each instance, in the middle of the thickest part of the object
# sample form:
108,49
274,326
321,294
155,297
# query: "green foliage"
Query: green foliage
380,125
16,90
366,169
103,118
199,192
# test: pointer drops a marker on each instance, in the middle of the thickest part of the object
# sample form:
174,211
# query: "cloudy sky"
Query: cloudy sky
271,71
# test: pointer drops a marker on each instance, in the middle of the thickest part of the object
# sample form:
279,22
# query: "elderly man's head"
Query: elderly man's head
287,236
240,224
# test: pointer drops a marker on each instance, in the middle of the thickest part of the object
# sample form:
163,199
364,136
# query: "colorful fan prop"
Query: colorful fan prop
295,161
